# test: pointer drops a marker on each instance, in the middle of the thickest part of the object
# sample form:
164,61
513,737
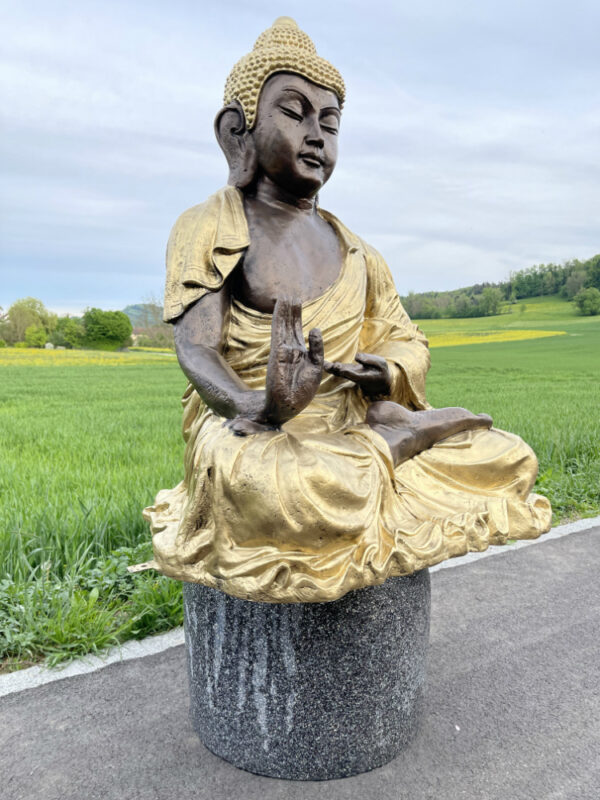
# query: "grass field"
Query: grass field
87,439
545,389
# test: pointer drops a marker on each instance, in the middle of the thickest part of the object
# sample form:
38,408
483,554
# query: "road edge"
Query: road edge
33,677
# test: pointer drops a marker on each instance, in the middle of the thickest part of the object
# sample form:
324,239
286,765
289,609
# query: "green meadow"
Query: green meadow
86,441
547,390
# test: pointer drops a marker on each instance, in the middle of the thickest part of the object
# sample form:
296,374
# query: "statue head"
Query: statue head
282,112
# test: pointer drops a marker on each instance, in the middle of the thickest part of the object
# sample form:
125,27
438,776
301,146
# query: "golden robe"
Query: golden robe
310,512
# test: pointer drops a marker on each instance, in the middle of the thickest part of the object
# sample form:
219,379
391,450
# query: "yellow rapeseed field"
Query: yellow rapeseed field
141,349
36,357
453,339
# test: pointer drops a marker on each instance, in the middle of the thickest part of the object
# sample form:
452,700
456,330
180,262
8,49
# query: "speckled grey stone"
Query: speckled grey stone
308,691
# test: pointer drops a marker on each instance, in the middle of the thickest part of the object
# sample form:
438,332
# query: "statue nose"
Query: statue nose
315,141
314,136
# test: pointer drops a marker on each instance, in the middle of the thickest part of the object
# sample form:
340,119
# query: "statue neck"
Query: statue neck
281,201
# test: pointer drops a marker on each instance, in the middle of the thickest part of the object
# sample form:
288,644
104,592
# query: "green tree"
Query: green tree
574,283
429,309
35,336
106,330
548,283
588,301
24,313
490,301
593,272
462,305
69,332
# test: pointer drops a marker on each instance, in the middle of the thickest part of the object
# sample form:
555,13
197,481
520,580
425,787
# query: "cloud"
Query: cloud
470,140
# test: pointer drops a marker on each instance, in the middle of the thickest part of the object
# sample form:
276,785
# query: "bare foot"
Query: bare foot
410,432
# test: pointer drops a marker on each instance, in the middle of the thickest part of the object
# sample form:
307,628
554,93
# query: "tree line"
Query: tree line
574,280
28,323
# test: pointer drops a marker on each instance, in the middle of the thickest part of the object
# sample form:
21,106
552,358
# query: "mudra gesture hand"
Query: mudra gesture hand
370,372
293,371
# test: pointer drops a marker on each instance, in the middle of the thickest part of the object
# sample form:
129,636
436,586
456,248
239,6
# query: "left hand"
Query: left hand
370,372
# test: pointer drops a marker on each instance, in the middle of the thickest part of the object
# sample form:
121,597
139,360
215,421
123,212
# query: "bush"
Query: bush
588,302
106,330
35,336
2,343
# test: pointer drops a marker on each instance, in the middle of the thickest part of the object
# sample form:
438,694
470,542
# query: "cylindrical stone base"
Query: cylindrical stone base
308,691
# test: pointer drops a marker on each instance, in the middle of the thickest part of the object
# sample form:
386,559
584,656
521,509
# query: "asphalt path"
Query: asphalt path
512,706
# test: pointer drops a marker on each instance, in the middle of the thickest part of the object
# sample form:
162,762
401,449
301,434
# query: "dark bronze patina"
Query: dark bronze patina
293,257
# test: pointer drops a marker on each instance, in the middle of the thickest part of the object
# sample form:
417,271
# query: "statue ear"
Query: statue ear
237,143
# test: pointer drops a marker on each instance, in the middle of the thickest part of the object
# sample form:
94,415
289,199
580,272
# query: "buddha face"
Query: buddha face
296,133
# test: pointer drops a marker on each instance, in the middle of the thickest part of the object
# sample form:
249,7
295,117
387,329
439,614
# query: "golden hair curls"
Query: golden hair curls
281,48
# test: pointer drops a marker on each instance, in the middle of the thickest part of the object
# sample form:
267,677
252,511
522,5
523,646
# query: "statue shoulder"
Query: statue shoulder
377,267
205,219
207,240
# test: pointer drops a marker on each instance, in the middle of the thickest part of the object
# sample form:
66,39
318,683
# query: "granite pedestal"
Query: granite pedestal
308,691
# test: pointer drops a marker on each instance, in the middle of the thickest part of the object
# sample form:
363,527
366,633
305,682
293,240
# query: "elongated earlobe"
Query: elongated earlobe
238,145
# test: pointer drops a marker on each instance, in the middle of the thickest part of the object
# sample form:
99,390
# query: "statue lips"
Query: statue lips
312,159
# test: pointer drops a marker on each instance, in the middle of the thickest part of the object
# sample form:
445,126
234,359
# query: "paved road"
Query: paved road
512,709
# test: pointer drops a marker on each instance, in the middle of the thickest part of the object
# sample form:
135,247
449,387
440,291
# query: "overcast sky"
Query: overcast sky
469,147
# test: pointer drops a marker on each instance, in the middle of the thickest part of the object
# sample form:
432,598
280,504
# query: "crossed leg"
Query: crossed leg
410,432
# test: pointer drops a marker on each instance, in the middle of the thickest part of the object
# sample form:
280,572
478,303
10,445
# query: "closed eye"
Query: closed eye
290,113
330,122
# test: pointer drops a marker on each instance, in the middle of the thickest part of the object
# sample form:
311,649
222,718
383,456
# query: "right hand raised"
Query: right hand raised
293,371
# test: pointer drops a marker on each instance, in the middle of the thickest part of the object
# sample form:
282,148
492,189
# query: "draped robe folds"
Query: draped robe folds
312,511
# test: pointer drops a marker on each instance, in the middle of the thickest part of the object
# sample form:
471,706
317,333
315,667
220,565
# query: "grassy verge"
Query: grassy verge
87,439
85,610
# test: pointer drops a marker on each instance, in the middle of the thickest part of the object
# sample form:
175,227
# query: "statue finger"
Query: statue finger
280,323
348,371
369,360
353,373
332,366
296,322
315,347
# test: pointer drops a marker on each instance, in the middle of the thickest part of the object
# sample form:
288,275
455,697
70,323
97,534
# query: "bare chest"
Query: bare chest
299,262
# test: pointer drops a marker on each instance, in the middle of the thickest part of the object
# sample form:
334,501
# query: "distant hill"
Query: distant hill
140,313
485,299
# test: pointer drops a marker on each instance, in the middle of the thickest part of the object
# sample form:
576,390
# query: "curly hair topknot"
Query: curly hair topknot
281,48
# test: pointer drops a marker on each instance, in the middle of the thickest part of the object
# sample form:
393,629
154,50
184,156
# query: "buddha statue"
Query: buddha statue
313,463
